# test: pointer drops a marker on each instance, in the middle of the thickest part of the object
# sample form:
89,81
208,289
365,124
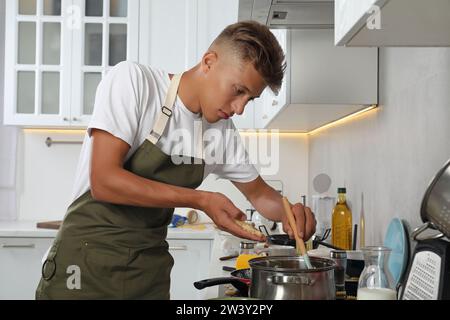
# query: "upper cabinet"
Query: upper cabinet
175,34
392,23
58,51
323,82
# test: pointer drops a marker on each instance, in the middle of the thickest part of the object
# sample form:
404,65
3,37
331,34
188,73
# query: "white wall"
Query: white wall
46,175
392,153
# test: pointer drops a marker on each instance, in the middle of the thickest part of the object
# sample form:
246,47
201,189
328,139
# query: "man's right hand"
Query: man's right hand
223,212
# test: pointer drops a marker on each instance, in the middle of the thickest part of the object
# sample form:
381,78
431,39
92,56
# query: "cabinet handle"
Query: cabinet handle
178,248
75,119
65,119
31,245
274,102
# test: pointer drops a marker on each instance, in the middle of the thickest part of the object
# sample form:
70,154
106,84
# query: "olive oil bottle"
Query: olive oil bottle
341,223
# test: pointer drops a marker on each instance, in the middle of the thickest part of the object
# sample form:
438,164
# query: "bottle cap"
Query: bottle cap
342,190
247,245
338,254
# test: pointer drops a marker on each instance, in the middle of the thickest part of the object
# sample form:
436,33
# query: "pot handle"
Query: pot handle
422,228
238,284
292,280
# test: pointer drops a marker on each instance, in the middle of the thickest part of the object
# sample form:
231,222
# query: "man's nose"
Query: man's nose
239,106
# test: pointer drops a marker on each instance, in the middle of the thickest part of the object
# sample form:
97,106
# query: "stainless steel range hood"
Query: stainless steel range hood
289,14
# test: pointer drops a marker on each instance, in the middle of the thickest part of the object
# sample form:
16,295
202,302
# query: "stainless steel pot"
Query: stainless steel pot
435,208
286,278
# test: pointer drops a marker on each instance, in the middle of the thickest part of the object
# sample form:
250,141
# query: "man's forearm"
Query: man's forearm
269,204
124,187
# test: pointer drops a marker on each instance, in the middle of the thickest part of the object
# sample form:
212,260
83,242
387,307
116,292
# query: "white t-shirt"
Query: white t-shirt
127,103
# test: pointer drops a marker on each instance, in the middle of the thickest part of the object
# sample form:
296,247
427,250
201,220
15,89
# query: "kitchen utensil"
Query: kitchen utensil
284,240
286,278
362,225
435,207
240,279
429,273
355,232
397,240
300,246
49,224
228,257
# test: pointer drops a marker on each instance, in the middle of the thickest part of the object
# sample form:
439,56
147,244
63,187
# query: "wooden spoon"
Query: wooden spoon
300,245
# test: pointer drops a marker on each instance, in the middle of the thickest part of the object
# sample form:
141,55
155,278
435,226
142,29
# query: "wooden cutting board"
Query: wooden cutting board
49,224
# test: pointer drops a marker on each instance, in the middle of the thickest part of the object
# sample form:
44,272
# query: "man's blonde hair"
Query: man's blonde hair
254,42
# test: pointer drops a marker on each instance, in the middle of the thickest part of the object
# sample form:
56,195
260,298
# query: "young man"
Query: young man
128,182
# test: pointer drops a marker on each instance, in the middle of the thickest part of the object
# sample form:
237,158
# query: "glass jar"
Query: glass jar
376,281
340,257
247,252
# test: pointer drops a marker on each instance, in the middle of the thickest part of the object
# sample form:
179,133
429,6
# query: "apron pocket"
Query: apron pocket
103,270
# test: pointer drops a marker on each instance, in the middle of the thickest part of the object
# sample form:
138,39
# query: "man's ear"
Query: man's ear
208,60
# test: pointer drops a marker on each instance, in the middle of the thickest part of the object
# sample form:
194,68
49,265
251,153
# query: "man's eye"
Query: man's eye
239,92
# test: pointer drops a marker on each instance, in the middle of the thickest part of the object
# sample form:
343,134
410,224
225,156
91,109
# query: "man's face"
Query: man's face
229,85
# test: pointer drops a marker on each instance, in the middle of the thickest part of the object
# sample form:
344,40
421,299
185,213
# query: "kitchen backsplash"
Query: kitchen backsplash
391,153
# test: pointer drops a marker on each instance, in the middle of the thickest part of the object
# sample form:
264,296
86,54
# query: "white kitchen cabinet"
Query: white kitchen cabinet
175,35
323,82
192,259
21,263
20,266
58,51
369,23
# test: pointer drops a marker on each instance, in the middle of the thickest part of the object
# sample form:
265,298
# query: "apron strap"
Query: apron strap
166,110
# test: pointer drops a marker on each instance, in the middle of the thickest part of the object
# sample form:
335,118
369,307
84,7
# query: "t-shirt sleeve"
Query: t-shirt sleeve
117,102
237,165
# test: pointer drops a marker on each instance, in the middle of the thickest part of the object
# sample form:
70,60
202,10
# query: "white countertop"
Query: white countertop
28,229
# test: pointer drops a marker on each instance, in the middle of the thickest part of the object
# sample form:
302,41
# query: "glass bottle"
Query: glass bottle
341,223
375,281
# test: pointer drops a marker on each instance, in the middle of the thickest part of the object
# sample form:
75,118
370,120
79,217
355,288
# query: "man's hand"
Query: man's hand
223,212
304,219
268,202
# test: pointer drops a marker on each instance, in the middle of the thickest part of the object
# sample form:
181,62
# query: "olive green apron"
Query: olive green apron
110,251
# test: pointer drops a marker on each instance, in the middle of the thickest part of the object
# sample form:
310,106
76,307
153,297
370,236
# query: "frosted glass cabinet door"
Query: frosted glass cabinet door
36,63
108,34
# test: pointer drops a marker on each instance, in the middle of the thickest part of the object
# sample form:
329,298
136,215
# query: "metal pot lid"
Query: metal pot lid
291,264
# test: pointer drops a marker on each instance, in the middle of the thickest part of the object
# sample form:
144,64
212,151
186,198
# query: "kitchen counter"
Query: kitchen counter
28,229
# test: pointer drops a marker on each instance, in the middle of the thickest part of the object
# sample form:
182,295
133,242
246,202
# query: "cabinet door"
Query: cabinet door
20,267
37,62
324,74
105,32
168,34
192,259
